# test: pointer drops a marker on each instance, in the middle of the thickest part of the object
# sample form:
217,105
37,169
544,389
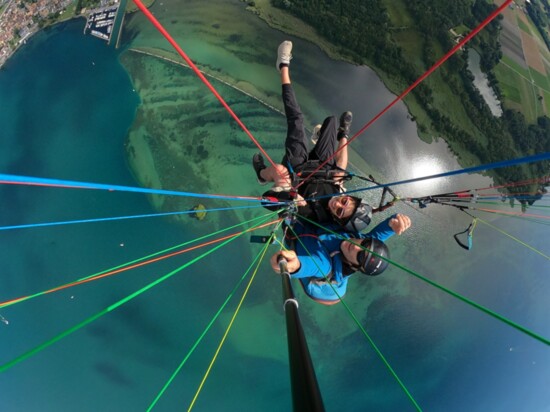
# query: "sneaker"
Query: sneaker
259,165
315,134
284,54
345,123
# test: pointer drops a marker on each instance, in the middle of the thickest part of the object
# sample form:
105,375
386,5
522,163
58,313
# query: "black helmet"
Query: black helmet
360,219
369,263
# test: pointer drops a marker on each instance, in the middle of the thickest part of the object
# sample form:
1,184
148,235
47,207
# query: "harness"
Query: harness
317,183
326,174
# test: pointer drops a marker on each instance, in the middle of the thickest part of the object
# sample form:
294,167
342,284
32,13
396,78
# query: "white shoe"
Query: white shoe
315,134
284,54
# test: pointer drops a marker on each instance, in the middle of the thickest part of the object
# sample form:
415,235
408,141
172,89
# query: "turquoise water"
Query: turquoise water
67,104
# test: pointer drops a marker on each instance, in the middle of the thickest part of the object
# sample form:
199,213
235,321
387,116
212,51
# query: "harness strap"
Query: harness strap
469,231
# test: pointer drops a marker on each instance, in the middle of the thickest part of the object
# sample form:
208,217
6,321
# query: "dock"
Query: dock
100,22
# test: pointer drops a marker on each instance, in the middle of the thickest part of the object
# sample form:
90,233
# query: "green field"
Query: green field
523,26
68,13
462,29
508,83
398,13
412,44
541,80
546,101
519,90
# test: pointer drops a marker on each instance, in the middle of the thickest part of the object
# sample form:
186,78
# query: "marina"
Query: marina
100,22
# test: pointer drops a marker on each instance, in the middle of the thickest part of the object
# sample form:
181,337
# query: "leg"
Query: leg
296,142
277,174
296,146
326,145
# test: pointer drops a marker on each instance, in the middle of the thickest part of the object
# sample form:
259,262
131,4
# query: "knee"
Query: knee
281,177
329,121
281,170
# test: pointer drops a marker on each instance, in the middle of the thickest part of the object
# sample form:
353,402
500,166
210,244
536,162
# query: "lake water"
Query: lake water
482,83
68,118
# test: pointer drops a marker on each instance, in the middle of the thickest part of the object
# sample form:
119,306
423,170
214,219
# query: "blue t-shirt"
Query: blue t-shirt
320,258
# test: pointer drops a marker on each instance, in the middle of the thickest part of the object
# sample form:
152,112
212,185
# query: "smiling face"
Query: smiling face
341,207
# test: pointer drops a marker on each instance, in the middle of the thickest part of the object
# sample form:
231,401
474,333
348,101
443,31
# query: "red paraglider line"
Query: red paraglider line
175,45
543,180
136,265
416,83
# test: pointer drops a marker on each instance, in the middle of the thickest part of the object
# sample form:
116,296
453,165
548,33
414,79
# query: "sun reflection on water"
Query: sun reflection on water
427,166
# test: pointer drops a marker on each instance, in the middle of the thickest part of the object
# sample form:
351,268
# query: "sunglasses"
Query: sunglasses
340,210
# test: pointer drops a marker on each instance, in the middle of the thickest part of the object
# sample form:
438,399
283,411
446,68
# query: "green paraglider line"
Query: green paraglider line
462,209
165,277
510,236
371,342
450,292
205,331
124,266
540,207
227,330
112,307
522,216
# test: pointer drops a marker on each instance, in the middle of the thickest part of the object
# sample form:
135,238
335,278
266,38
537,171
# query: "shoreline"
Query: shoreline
68,16
158,53
355,160
23,42
289,24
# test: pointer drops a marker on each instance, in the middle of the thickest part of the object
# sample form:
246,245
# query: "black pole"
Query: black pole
306,395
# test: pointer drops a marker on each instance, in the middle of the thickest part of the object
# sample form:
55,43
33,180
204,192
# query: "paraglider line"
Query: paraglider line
457,47
40,181
179,50
112,307
224,337
203,334
510,236
106,219
130,265
356,320
452,293
487,166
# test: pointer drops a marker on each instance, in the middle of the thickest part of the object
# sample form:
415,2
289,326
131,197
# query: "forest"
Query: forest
538,13
364,32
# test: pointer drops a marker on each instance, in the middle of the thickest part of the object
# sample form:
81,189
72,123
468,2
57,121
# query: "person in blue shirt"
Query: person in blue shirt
324,261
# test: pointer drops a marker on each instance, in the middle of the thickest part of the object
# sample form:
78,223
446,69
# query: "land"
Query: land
405,38
522,73
20,19
401,46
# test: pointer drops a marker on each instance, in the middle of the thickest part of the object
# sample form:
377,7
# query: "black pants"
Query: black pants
297,153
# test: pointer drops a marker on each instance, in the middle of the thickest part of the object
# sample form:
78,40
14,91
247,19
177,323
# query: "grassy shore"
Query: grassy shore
280,20
287,23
